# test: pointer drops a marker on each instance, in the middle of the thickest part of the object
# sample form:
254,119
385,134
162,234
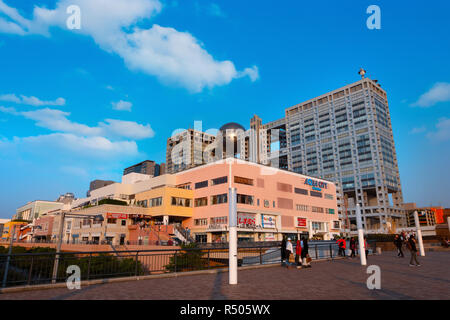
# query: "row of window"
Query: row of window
304,207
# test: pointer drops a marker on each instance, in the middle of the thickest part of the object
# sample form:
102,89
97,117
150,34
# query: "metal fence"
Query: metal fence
37,268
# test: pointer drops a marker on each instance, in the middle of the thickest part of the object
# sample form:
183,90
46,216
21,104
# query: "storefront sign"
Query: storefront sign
268,221
301,222
269,237
139,216
246,218
117,216
316,185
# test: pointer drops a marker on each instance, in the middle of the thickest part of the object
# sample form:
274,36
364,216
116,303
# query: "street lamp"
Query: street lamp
96,218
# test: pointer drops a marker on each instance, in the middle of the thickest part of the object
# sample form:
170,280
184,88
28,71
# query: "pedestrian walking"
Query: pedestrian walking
298,254
399,243
353,247
366,247
289,252
413,248
339,243
304,254
283,251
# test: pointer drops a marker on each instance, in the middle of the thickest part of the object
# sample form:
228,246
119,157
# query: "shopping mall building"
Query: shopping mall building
270,203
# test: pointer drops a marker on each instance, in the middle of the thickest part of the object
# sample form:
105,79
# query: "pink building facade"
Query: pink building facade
270,202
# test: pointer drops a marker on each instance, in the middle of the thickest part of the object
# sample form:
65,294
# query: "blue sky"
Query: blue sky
77,105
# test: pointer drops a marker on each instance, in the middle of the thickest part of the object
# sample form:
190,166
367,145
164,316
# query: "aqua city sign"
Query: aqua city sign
316,185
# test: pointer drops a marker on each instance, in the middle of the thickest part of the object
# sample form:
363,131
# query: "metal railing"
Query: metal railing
37,268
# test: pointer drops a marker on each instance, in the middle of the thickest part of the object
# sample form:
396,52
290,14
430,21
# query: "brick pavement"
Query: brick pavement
338,279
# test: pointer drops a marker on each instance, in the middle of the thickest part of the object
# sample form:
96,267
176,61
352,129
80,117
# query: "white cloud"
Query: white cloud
81,146
76,171
31,101
215,10
418,130
443,130
172,56
9,110
122,105
57,120
440,92
127,129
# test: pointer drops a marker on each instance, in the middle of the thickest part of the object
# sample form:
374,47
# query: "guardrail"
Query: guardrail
37,268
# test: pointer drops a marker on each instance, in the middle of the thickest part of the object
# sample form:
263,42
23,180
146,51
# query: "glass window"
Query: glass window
220,198
329,196
181,202
220,180
244,199
201,184
301,191
201,202
201,222
315,194
242,180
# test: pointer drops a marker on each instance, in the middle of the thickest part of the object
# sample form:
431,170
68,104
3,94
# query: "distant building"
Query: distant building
162,169
145,167
66,198
185,150
97,184
35,209
2,226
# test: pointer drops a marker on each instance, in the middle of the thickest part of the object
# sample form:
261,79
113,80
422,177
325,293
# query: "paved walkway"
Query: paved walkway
339,279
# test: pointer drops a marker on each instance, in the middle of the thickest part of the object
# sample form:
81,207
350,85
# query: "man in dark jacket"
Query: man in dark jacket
283,250
398,243
353,247
413,249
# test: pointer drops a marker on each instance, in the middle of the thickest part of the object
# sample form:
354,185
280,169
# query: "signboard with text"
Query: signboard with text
268,221
246,218
316,185
301,222
117,216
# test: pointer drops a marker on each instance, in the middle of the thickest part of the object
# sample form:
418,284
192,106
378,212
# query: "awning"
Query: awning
95,234
84,235
110,235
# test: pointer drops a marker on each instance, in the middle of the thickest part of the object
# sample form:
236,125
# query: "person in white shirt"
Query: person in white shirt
289,250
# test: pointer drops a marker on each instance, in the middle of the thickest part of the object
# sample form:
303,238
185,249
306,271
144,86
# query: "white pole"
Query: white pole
448,223
419,234
362,252
232,252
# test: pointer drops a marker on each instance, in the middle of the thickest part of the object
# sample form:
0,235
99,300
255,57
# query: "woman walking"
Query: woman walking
304,253
298,253
353,247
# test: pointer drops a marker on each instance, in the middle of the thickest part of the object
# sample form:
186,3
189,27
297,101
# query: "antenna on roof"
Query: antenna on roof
362,72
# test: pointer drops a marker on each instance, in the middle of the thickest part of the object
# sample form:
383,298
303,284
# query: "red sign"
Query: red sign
117,215
301,222
246,218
